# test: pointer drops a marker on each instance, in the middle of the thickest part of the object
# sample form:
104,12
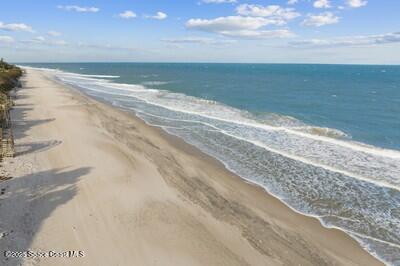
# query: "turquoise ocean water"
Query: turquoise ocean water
325,139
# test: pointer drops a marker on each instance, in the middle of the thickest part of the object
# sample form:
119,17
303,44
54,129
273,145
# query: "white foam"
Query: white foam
293,157
378,167
235,116
155,83
296,151
93,76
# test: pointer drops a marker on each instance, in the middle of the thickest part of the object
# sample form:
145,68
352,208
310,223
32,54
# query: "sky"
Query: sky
243,31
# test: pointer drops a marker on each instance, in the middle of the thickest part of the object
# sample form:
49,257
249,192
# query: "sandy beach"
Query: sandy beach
88,177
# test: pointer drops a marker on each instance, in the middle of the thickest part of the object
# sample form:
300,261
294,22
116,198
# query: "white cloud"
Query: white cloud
15,27
43,41
79,9
127,14
356,3
39,39
350,41
322,4
322,19
159,15
272,11
6,39
54,33
59,42
260,34
292,2
198,40
107,47
238,26
218,1
231,23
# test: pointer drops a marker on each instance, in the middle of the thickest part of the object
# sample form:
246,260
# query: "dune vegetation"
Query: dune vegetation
9,75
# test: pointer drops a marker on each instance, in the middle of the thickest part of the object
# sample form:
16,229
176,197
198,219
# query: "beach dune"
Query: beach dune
99,181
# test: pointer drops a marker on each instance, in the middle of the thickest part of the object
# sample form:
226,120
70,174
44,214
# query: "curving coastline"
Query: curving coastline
346,185
90,177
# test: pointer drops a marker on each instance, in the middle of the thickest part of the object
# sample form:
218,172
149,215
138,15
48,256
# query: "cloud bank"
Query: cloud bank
79,9
15,27
362,40
54,33
274,12
322,19
198,40
6,39
239,26
249,22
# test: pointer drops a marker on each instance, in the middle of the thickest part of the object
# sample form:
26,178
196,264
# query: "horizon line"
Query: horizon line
205,62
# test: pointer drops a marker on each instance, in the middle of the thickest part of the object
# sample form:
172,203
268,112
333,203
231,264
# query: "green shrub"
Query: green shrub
9,75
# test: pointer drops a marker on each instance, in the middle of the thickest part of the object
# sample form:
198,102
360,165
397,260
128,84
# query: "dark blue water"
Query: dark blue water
324,139
362,101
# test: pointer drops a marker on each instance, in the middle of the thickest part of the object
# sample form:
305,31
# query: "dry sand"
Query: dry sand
92,178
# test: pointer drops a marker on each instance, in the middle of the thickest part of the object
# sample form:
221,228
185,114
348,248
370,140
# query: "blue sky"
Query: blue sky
270,31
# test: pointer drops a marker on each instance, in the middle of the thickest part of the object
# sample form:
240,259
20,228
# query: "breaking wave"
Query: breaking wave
316,171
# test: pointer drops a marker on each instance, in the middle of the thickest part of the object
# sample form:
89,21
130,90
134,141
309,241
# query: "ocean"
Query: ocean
324,139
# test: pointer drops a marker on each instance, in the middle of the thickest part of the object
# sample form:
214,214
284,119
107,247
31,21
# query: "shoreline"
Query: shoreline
224,203
188,147
192,149
197,151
